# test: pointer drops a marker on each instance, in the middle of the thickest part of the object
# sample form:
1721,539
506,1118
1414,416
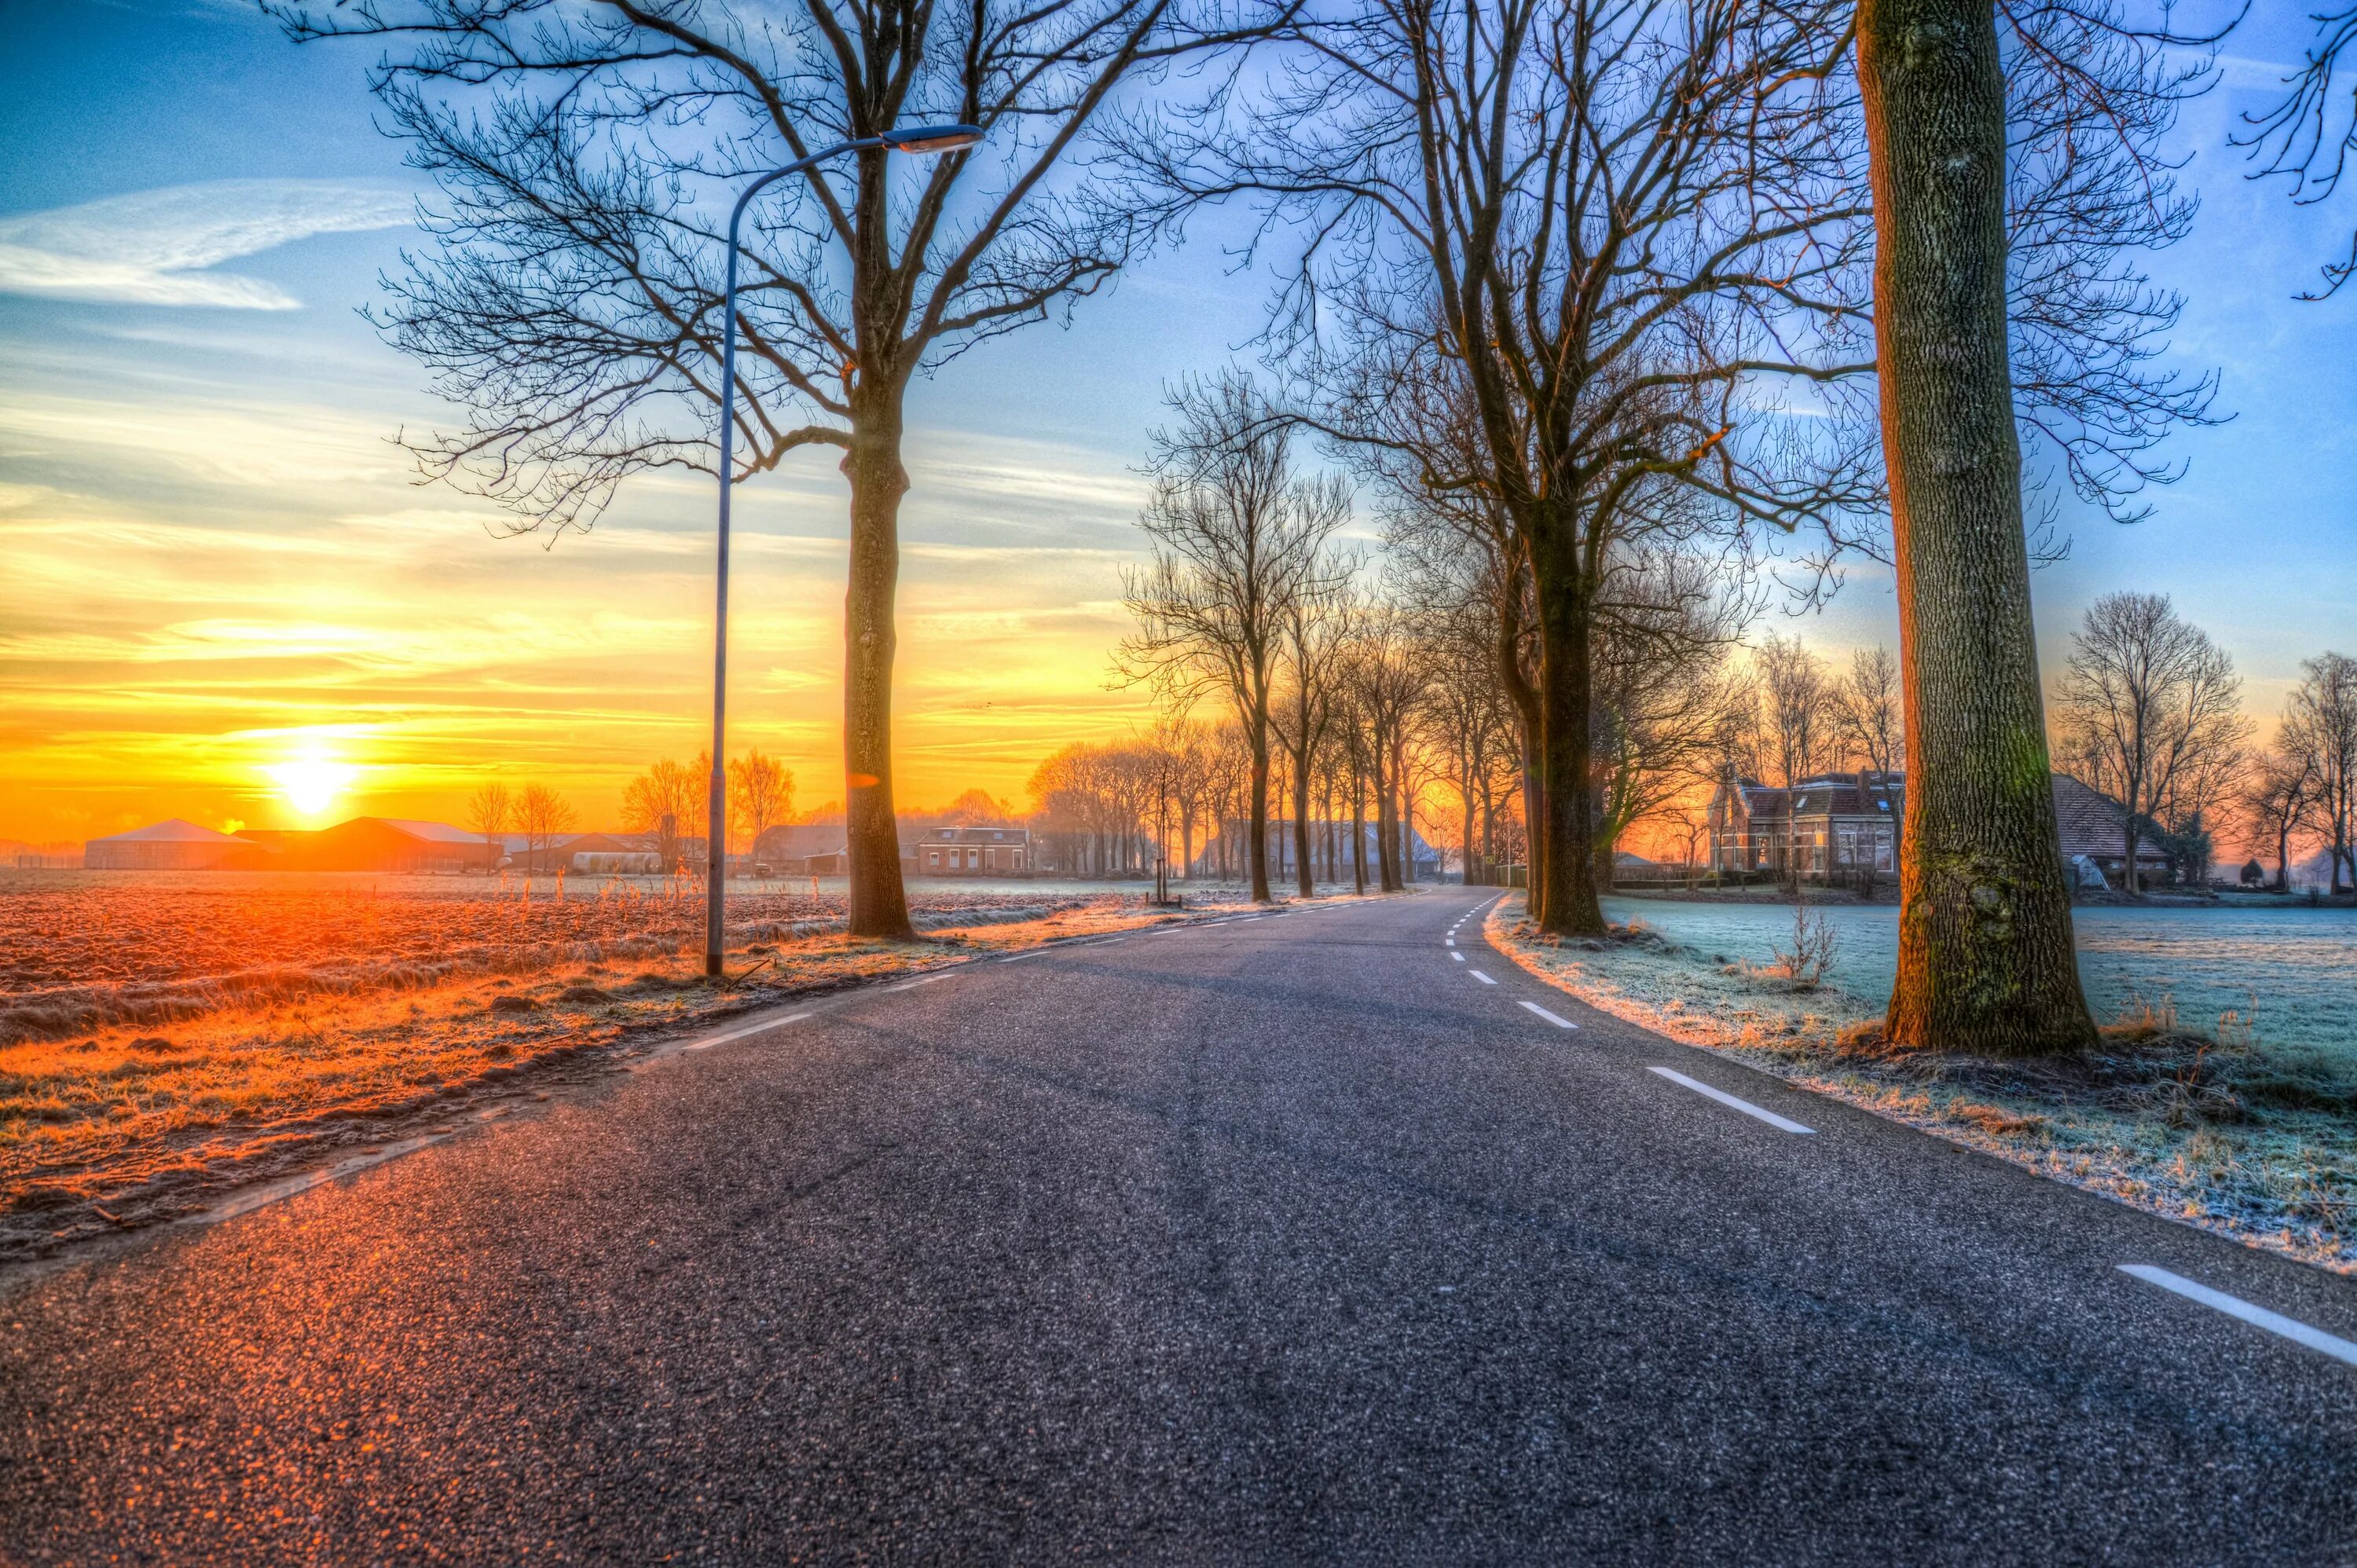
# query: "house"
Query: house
974,851
804,849
1832,823
1845,826
171,845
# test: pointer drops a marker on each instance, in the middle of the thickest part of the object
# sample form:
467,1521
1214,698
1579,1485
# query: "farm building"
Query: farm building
393,843
173,846
975,852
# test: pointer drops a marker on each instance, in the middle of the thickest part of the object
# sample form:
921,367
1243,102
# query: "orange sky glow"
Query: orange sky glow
276,627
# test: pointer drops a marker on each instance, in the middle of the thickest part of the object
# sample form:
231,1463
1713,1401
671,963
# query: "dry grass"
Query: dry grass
150,1110
2211,1126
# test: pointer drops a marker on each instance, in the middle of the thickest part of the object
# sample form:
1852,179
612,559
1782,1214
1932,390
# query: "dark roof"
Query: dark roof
2093,824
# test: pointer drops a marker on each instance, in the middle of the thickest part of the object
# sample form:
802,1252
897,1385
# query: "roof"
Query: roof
802,839
2092,824
437,832
172,829
973,834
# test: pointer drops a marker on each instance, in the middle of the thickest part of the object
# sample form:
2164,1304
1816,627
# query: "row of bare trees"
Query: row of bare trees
1600,282
667,801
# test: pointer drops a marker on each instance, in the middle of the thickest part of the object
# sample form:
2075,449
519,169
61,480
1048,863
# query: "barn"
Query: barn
172,846
395,843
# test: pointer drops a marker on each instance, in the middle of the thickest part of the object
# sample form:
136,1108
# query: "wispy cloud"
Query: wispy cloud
152,247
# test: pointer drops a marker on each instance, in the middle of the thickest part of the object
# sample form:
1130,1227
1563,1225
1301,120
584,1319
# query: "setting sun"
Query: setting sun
312,784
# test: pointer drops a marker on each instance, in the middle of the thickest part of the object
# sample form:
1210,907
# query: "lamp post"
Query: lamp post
924,141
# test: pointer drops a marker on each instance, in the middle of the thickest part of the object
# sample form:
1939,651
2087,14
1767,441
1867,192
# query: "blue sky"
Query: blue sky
203,513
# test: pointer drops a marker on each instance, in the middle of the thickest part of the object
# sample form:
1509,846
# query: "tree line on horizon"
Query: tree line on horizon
1606,294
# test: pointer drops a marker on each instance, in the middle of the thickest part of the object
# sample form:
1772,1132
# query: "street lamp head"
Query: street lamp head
928,141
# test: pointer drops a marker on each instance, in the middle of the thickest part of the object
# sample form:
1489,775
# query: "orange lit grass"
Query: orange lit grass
105,1130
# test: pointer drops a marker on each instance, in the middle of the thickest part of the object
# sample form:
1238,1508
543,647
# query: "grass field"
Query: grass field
165,1038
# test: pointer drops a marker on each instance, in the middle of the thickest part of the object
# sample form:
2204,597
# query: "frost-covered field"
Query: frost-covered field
165,1037
2290,972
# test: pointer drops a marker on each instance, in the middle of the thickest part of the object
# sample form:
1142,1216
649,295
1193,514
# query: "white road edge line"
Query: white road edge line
709,1041
1482,977
921,979
2291,1328
1019,958
1558,1022
1745,1106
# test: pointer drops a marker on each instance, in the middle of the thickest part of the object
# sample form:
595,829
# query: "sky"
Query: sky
220,584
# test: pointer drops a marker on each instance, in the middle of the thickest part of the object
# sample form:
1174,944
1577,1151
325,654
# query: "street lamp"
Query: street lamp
923,141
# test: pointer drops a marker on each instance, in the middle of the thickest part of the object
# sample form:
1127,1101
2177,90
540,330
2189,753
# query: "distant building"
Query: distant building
392,844
1838,826
803,849
171,845
1834,823
975,852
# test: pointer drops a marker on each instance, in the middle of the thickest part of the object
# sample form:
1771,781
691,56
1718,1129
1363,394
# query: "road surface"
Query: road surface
1303,1237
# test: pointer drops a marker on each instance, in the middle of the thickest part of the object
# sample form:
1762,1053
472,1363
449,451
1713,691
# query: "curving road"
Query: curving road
1297,1238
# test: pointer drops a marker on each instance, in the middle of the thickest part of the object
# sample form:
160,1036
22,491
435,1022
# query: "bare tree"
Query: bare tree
1390,673
2151,710
1664,627
584,154
760,793
2309,137
490,810
2321,729
543,817
1567,256
2279,800
1869,717
1238,538
1316,624
1792,727
670,801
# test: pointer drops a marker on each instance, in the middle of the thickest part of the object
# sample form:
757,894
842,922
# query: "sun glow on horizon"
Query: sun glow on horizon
312,782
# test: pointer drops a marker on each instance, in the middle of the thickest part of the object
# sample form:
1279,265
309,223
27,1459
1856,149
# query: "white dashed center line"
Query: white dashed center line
1482,977
2291,1328
706,1044
1458,956
1782,1123
1558,1022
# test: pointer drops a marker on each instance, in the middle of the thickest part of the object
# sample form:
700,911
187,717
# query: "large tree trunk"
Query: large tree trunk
879,905
1985,956
1566,868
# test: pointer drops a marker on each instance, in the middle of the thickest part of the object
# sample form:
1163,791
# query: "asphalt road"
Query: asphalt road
1277,1240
